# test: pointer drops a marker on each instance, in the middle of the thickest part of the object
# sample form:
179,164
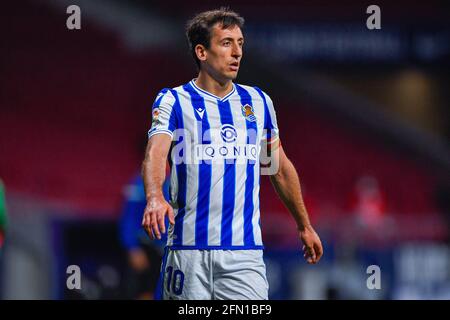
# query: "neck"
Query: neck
208,83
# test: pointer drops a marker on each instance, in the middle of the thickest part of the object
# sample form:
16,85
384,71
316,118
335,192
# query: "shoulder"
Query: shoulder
174,92
255,91
168,96
163,94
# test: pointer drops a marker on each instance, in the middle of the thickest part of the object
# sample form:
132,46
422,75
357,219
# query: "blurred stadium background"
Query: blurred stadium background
364,116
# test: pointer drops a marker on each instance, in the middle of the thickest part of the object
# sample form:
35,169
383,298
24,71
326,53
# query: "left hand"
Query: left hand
312,246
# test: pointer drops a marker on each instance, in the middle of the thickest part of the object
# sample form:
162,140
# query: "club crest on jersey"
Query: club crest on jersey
155,115
248,113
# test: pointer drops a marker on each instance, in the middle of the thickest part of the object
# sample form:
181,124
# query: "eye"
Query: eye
227,43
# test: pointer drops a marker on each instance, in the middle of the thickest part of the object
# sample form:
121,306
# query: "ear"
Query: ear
201,53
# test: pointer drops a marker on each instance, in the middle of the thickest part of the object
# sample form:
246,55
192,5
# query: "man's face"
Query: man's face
225,52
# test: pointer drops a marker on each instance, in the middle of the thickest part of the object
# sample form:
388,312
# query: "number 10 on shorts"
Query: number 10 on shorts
175,281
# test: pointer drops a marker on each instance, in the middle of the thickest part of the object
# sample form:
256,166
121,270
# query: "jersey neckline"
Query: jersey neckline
201,91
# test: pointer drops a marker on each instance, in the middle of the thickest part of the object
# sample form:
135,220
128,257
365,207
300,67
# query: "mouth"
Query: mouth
234,66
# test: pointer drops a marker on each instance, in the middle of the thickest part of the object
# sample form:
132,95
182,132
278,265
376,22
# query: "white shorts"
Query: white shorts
213,275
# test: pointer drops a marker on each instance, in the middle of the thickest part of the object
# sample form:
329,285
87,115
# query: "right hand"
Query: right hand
154,214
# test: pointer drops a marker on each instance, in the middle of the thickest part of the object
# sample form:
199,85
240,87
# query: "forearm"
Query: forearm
287,185
154,171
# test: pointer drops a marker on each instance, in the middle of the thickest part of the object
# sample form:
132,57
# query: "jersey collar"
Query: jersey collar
204,92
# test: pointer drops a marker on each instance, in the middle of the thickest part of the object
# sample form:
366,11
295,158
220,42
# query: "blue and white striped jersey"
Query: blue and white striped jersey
215,167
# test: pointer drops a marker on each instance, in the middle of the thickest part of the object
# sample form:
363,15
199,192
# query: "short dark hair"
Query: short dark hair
198,29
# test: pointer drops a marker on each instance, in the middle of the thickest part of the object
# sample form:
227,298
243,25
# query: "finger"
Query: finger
149,231
170,214
309,259
307,256
319,250
311,254
144,220
161,224
154,226
146,225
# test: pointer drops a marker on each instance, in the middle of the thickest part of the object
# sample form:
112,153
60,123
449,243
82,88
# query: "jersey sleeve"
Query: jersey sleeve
163,114
271,132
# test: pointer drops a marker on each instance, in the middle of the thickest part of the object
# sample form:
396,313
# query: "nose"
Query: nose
237,51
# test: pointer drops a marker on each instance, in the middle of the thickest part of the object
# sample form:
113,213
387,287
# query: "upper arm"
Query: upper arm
273,158
280,157
270,119
158,148
163,125
164,113
283,159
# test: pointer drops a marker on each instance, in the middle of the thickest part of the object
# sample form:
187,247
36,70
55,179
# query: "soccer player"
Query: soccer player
213,132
